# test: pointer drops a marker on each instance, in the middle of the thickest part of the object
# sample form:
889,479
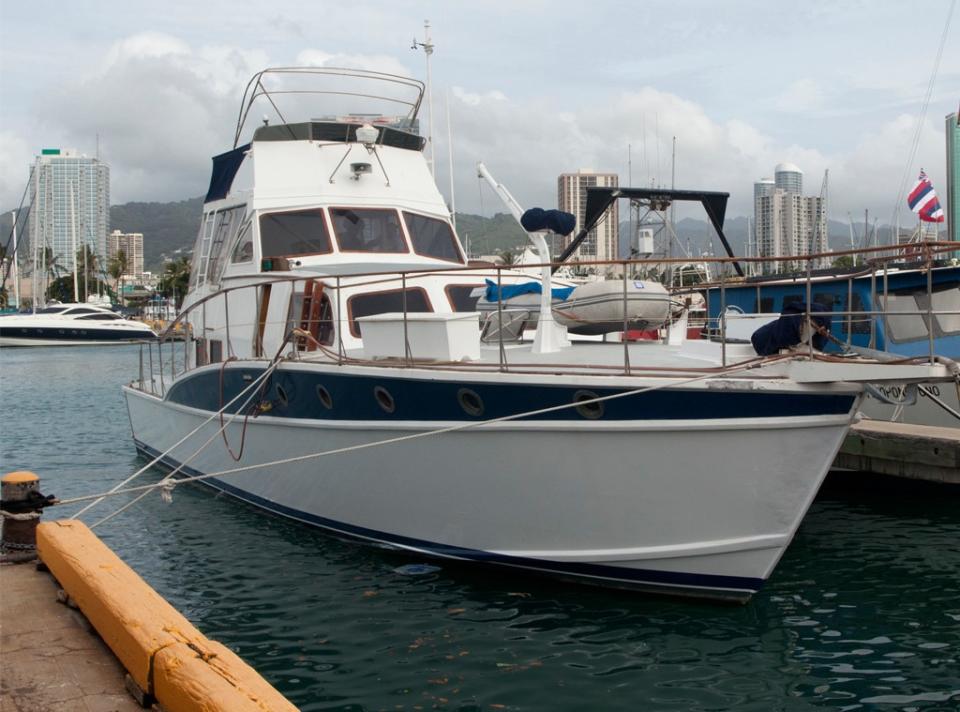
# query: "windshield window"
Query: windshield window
366,230
432,237
50,310
298,232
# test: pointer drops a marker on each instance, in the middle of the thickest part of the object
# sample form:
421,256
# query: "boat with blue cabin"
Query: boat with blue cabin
903,309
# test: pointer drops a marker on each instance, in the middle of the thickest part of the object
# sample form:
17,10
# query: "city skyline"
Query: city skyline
738,87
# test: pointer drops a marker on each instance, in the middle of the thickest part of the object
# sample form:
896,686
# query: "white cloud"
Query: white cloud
163,105
800,96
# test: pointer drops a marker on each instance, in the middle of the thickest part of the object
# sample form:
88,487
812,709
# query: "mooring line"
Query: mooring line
167,483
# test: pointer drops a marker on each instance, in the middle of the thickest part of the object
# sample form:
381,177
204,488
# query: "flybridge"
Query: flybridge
341,131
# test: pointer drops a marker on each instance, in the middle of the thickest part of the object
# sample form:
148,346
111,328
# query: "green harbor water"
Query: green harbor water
863,612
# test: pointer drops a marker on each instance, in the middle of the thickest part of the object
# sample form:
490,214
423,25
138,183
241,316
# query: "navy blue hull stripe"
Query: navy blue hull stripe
71,334
306,395
734,586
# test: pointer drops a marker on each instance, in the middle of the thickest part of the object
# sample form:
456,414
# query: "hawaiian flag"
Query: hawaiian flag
923,200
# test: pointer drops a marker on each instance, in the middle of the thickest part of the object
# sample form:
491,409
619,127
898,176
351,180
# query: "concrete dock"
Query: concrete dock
51,657
920,452
113,644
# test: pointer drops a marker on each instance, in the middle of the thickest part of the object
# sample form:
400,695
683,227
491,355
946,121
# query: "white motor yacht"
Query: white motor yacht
339,372
71,325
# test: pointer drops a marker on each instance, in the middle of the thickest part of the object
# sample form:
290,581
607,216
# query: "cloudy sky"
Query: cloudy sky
535,88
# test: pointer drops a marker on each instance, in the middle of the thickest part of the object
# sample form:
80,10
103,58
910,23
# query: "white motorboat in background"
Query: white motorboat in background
71,325
338,372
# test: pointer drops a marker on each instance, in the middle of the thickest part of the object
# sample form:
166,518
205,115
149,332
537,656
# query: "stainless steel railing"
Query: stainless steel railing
191,327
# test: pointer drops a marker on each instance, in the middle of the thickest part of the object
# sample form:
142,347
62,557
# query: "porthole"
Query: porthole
323,395
588,410
471,403
384,399
282,396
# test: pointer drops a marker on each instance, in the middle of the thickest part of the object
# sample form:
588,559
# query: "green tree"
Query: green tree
50,263
843,261
175,280
87,270
116,269
61,289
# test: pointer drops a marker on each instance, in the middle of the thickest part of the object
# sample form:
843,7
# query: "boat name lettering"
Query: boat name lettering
898,391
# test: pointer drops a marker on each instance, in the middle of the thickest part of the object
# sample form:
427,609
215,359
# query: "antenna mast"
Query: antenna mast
427,46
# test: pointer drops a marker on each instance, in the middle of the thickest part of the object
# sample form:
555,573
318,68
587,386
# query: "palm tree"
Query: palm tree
175,279
86,267
116,269
508,258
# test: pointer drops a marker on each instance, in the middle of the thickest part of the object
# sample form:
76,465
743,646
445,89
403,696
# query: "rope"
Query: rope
19,517
168,484
186,437
167,489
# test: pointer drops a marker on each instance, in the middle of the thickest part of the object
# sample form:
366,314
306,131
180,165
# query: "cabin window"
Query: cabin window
792,299
243,251
460,296
385,302
366,230
946,297
228,221
100,317
826,301
912,327
432,238
764,307
51,310
858,324
297,232
904,325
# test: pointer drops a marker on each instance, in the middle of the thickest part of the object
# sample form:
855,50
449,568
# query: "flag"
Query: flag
923,200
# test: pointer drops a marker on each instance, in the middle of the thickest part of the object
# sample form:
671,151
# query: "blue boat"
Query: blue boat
909,306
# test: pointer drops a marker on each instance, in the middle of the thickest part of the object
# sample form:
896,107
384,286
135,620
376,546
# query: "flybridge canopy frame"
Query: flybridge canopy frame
599,199
256,89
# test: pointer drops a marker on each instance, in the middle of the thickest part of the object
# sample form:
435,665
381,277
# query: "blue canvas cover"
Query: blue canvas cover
786,331
555,221
515,290
225,167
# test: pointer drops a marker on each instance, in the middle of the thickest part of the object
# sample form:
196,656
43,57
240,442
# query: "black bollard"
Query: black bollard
20,505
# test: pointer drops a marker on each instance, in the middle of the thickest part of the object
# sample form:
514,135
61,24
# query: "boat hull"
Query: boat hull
699,506
925,411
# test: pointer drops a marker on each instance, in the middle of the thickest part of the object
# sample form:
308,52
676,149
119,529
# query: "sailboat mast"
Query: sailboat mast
73,240
15,271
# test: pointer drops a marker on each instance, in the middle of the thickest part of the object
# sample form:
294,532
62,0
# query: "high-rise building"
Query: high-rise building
69,205
131,244
786,223
788,178
601,243
953,176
